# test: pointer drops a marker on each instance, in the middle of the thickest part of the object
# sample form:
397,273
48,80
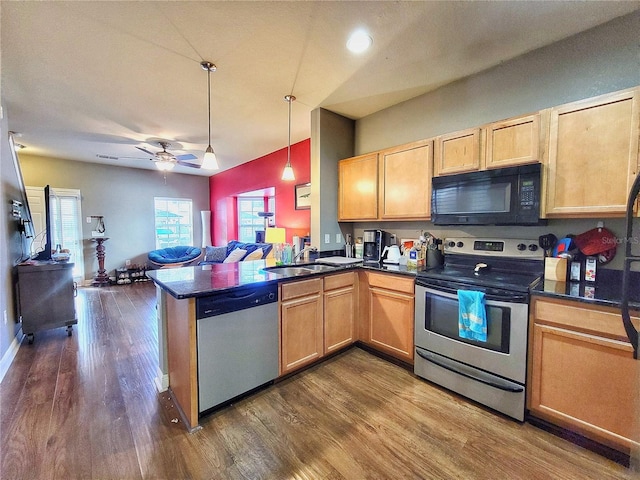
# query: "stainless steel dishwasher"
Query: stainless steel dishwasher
237,337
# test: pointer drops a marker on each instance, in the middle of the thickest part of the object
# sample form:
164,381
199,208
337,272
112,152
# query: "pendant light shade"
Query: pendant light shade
209,162
287,173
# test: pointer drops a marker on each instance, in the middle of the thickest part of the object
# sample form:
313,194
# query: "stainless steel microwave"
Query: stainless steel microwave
504,196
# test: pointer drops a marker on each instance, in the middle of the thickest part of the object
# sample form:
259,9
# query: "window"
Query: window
248,219
66,227
174,222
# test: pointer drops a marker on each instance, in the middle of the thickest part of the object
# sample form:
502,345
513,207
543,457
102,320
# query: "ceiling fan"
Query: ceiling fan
166,160
163,159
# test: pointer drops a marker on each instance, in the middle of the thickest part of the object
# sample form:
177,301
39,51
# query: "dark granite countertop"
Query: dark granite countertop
606,290
198,281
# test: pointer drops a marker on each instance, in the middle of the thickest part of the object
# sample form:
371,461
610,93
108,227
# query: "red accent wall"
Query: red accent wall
260,173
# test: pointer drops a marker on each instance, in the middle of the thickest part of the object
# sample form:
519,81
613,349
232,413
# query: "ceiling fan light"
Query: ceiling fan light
209,162
165,166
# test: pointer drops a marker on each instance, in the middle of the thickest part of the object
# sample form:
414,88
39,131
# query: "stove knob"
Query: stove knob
533,247
451,244
521,247
459,244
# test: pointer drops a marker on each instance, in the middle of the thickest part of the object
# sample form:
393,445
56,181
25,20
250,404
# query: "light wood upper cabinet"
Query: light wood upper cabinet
301,324
391,184
593,155
339,310
516,141
358,188
405,181
582,373
458,152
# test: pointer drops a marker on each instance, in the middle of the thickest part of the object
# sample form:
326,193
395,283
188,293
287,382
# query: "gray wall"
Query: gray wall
601,60
332,139
124,196
12,250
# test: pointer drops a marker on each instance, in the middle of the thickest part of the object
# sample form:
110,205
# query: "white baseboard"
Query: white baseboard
10,354
162,381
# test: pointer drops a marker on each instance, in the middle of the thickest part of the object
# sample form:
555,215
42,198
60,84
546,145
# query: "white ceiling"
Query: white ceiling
81,79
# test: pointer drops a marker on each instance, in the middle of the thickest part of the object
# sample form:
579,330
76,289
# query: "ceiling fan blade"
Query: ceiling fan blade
146,151
186,156
187,164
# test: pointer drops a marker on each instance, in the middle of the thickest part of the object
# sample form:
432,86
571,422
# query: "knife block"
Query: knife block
555,269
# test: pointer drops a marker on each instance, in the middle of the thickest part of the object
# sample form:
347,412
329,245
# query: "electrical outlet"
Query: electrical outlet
127,263
5,317
327,238
88,219
600,225
338,238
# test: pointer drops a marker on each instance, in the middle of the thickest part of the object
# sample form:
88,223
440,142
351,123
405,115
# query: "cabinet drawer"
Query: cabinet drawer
599,320
300,288
392,282
339,280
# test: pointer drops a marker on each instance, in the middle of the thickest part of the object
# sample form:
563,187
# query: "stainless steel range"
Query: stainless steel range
488,368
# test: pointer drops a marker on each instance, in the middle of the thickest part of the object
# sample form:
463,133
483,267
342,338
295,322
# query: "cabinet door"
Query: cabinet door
358,188
593,155
301,324
513,142
391,316
405,186
458,152
586,383
339,311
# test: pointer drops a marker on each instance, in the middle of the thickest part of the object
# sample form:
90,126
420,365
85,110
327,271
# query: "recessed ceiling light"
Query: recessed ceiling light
359,41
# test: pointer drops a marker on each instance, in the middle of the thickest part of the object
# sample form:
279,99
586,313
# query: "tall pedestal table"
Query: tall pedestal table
101,279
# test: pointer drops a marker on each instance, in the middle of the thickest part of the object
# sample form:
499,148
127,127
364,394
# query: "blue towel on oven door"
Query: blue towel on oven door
472,315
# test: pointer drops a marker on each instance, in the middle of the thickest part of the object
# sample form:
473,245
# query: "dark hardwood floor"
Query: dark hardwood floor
86,407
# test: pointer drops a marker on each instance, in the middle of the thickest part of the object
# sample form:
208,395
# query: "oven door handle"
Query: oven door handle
512,297
507,387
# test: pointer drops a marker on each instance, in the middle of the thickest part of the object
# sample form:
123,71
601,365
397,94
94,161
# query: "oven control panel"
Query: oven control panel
499,247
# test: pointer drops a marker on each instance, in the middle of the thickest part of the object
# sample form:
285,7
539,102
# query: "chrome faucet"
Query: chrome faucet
305,249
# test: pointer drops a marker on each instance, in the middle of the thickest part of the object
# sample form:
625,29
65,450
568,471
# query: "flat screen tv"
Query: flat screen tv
45,254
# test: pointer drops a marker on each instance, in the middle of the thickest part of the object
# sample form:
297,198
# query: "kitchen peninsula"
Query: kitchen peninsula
195,298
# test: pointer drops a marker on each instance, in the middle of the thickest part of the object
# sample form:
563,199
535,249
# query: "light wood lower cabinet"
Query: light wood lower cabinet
389,315
583,376
339,311
301,324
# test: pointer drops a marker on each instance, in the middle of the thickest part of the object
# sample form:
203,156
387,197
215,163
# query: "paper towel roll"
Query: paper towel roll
206,227
296,245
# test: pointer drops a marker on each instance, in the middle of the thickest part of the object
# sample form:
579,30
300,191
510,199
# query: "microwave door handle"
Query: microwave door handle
511,297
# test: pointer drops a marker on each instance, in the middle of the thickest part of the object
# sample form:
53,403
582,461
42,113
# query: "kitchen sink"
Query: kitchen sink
299,269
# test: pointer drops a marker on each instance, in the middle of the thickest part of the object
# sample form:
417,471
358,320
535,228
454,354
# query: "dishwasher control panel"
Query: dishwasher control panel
236,299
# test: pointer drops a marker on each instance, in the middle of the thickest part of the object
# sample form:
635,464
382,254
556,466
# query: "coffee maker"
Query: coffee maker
374,242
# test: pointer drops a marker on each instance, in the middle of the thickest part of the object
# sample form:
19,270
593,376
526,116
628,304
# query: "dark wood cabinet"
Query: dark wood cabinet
46,294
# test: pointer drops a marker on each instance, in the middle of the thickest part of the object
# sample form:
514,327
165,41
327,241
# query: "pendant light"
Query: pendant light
209,162
287,173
